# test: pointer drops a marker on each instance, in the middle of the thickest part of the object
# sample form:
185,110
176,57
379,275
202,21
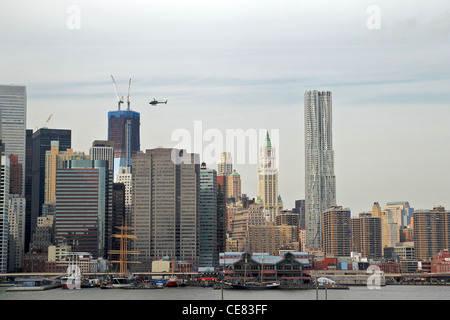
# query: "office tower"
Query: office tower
55,159
222,221
103,150
246,201
124,176
4,197
43,235
28,185
208,254
406,234
225,168
300,210
336,231
366,236
241,221
16,175
287,217
118,212
319,163
83,209
389,227
234,186
225,164
123,131
165,205
270,238
16,243
268,180
402,212
431,232
42,139
13,107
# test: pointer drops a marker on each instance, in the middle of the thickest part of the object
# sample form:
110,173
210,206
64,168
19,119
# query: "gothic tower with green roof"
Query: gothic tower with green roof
268,180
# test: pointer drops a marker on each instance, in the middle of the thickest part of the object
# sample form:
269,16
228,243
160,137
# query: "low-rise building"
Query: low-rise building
288,268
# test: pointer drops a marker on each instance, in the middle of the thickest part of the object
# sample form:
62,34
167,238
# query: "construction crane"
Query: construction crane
128,97
119,100
46,123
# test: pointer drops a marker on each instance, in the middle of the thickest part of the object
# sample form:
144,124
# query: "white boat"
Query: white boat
73,278
119,283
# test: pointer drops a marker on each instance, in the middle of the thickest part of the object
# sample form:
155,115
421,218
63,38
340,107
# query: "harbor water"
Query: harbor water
391,292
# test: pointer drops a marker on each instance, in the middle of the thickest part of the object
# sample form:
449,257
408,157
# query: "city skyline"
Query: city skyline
250,70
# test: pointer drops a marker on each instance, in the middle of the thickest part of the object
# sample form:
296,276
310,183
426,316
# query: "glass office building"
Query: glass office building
83,211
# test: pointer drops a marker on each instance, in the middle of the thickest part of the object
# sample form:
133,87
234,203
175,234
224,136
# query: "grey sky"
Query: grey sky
246,64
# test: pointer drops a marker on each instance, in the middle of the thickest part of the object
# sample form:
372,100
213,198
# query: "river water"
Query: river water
390,292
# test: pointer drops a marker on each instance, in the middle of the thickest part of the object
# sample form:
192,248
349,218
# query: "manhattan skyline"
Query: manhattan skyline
247,65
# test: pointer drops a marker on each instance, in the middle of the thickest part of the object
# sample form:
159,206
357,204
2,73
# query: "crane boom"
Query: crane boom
119,100
128,97
46,123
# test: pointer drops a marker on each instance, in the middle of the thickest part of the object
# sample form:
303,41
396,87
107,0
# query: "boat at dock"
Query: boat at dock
119,283
73,279
172,282
257,285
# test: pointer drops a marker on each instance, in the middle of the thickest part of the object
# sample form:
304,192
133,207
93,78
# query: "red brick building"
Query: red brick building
391,267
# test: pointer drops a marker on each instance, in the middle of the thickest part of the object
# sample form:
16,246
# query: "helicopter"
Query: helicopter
155,102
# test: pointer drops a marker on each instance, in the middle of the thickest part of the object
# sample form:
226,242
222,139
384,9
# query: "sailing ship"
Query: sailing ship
125,280
256,285
73,278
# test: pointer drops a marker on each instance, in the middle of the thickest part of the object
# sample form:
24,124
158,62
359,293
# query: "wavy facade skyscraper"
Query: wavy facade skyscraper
320,182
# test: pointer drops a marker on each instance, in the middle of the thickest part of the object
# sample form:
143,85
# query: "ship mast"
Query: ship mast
123,252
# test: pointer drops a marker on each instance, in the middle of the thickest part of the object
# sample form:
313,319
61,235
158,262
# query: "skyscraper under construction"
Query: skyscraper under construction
123,130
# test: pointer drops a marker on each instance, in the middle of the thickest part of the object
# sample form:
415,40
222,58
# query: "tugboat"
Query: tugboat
173,280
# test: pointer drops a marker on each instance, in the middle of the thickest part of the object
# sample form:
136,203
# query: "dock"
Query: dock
40,284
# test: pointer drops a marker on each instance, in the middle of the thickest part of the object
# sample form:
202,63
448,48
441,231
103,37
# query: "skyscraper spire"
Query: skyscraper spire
268,143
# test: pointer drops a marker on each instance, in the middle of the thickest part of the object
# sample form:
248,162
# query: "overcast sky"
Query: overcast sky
246,64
